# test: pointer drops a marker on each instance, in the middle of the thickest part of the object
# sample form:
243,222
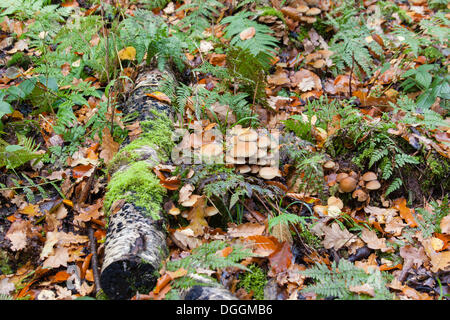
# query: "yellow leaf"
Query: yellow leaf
128,53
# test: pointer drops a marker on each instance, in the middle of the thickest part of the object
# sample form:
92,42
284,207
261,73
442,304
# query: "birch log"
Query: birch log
136,238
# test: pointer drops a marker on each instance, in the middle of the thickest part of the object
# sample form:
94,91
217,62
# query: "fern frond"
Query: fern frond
395,185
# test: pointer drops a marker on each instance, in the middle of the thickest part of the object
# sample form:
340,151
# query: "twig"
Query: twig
94,260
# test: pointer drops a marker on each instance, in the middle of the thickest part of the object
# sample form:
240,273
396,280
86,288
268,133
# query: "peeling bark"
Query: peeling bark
135,241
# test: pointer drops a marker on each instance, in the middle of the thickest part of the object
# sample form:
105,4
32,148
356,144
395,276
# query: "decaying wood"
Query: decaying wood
135,243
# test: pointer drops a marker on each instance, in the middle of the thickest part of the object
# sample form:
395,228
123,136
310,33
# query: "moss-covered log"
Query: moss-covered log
136,238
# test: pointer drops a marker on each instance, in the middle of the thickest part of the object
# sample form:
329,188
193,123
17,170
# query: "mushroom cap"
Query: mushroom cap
262,153
302,8
255,168
369,176
269,173
263,142
373,185
239,160
313,12
341,176
191,201
360,195
211,150
211,211
333,201
244,149
329,164
348,184
244,168
248,135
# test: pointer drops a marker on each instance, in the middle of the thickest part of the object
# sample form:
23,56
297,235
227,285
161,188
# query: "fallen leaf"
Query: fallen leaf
109,146
364,289
373,242
246,230
17,234
281,259
128,53
336,238
405,212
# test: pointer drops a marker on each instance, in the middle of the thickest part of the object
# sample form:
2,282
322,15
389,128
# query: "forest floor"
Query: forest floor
350,201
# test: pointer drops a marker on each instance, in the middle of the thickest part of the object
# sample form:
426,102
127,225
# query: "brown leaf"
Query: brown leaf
246,230
109,146
59,258
281,259
373,242
17,234
364,289
405,212
263,245
306,80
336,238
279,78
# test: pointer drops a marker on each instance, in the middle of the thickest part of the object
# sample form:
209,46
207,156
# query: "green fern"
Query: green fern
430,221
199,14
395,185
13,156
261,45
206,257
336,282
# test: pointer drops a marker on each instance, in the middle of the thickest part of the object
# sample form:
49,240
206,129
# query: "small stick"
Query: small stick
94,259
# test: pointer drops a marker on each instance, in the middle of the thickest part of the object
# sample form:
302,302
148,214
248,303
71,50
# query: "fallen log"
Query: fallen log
136,238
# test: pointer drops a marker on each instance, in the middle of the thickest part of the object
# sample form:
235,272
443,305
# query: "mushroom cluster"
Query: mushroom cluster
361,187
302,13
254,151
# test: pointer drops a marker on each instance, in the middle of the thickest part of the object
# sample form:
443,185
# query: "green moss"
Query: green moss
254,281
139,185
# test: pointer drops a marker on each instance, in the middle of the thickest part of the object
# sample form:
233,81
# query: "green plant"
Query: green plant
148,34
207,256
308,168
254,281
414,115
338,281
348,44
431,80
199,14
15,155
431,219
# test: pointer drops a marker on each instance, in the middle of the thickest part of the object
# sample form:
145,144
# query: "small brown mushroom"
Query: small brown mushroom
244,169
313,12
211,150
255,168
360,195
244,149
373,185
269,173
329,164
369,176
248,135
211,211
348,184
341,176
263,142
302,8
